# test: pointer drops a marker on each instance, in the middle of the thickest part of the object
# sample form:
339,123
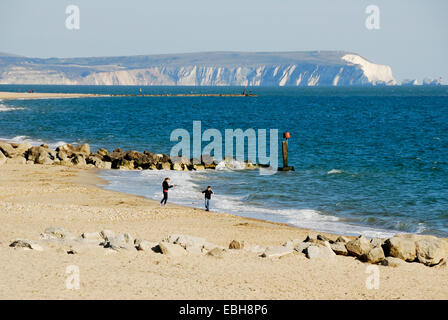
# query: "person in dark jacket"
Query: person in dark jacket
166,186
208,196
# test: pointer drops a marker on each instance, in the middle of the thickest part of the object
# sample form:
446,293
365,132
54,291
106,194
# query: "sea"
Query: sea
368,160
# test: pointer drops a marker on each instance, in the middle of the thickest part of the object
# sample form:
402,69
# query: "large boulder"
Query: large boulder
276,252
7,149
123,164
302,246
97,162
442,264
249,166
392,262
234,244
170,249
323,238
84,148
207,159
377,242
52,233
292,243
120,241
144,245
26,244
62,155
164,166
401,247
186,241
67,163
343,239
177,166
310,238
431,251
21,148
316,240
2,158
375,255
359,247
92,237
107,234
79,159
339,248
40,155
180,160
16,160
102,152
69,149
216,252
319,252
198,167
140,159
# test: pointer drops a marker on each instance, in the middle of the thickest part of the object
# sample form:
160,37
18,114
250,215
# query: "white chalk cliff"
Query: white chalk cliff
314,68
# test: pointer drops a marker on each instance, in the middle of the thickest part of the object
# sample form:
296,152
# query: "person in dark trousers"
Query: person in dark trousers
208,196
166,186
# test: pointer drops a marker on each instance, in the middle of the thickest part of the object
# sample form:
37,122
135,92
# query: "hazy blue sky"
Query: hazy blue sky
412,38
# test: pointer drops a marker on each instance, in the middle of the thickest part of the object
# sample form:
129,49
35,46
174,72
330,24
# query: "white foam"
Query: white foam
335,171
421,227
33,142
230,164
312,219
4,108
187,191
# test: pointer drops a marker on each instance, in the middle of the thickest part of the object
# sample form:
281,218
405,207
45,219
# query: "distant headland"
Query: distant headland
300,68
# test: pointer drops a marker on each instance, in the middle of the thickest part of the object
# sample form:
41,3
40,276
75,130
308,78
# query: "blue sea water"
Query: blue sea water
368,160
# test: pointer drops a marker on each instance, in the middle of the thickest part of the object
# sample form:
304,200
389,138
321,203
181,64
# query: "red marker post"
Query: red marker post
286,136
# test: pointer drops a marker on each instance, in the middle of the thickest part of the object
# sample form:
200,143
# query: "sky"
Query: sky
412,37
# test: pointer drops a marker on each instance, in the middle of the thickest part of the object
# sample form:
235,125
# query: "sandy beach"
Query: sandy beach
42,95
34,197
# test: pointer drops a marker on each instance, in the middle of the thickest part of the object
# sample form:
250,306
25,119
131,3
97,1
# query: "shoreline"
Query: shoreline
80,156
380,233
35,197
5,95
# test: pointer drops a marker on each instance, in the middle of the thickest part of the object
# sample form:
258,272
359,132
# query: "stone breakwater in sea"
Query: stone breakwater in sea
81,156
394,252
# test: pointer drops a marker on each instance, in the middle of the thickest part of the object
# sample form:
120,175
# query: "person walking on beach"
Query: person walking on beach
208,196
165,186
